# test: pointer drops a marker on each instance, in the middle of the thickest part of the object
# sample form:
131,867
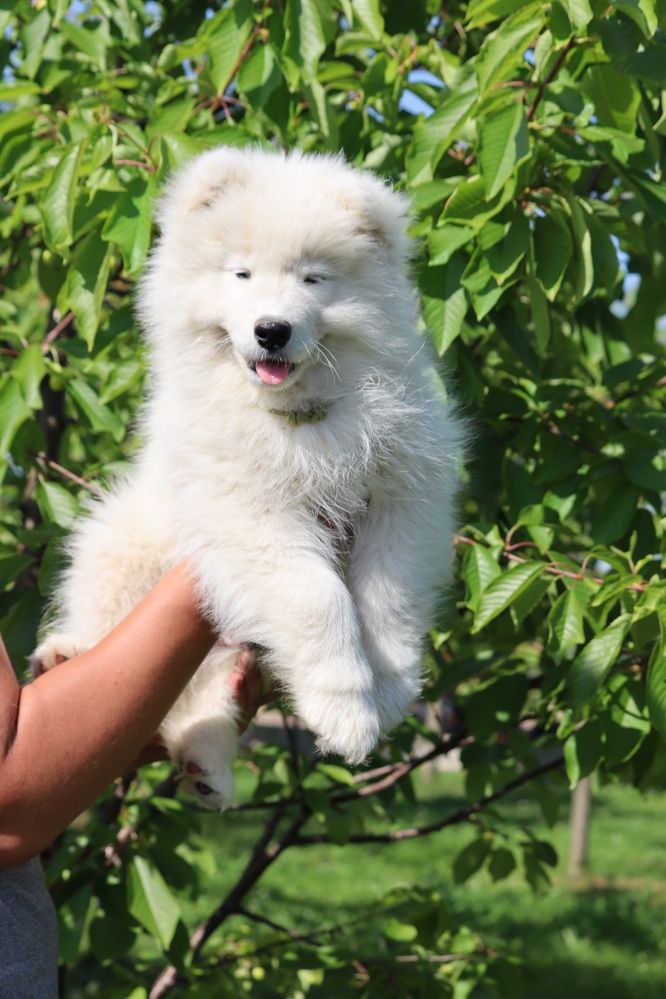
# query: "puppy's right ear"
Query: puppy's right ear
199,184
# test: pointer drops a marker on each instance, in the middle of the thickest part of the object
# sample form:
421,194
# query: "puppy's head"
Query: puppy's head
288,266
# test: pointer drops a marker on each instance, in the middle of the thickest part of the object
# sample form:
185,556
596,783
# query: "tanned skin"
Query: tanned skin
68,734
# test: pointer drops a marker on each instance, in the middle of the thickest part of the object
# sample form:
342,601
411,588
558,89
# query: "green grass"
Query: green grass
604,937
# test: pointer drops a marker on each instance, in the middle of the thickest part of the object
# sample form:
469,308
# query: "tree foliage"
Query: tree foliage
530,138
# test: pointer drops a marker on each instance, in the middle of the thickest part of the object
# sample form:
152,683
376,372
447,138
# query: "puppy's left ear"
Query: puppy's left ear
383,215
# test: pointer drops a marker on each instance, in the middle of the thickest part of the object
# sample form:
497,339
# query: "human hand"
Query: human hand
248,693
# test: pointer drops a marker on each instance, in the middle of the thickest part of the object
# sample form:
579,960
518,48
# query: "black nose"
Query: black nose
272,334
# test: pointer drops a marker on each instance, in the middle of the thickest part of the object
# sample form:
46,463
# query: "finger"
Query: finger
246,660
237,683
254,686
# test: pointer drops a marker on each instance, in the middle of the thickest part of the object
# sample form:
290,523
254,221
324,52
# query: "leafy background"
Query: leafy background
530,137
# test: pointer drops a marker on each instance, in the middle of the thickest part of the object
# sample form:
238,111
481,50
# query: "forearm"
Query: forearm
78,726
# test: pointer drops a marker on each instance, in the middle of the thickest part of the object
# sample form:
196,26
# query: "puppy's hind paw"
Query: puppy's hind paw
55,649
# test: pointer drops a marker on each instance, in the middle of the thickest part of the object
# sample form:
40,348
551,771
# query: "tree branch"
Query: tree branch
462,815
263,855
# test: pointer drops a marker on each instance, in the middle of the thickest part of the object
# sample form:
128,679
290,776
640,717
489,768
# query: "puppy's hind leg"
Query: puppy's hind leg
201,731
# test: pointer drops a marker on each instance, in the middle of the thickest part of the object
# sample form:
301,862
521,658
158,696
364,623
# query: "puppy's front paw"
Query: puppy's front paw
394,696
55,649
345,723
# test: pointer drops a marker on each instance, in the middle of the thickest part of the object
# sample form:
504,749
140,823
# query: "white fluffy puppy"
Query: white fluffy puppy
298,451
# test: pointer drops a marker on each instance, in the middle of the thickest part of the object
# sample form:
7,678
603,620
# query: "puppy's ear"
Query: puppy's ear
382,214
200,183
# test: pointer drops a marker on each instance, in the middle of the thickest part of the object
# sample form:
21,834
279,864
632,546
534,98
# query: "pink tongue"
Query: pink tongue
274,373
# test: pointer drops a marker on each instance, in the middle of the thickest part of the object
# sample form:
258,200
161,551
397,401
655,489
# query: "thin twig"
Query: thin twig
57,330
292,934
549,79
150,167
66,474
551,568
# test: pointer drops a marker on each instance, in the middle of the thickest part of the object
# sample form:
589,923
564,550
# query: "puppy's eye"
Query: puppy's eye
312,279
244,275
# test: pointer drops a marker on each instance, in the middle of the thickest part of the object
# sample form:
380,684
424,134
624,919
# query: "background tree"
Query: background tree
530,138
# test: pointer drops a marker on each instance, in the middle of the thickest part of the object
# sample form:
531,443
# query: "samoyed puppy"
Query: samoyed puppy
298,450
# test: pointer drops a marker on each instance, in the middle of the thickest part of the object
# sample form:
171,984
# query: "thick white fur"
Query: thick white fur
260,507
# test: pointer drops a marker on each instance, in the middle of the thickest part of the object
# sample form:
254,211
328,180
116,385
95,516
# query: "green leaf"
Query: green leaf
12,566
368,13
337,774
582,262
480,568
259,75
593,664
579,11
502,862
323,113
482,12
647,468
130,223
656,682
434,135
305,38
583,751
151,902
468,202
443,242
616,514
530,598
57,204
101,417
226,35
470,859
14,411
553,247
93,40
18,88
565,625
505,254
85,285
52,564
399,931
642,12
504,48
615,96
29,370
540,314
34,35
483,289
73,916
503,591
444,303
57,504
503,144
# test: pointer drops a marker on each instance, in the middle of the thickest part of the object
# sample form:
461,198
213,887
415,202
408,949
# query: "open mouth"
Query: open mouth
272,372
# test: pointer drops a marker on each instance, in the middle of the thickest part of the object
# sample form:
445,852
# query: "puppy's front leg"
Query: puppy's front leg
291,600
399,566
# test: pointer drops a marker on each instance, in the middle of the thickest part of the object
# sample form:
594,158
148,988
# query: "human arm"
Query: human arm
67,735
